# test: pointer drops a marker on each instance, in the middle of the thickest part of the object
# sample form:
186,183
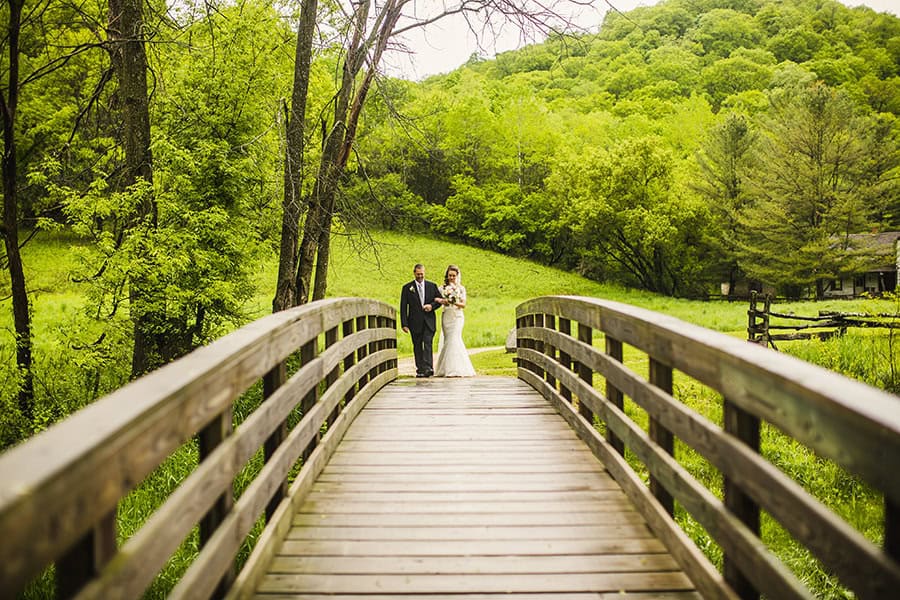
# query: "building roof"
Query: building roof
879,249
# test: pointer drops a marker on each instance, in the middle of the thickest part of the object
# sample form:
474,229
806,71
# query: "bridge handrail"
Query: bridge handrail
59,491
852,424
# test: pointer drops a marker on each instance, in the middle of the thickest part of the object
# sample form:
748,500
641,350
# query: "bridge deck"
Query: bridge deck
471,487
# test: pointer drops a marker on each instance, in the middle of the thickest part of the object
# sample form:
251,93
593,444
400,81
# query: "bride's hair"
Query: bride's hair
447,274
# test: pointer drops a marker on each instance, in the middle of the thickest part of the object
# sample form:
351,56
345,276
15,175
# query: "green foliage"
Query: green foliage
533,117
631,223
812,188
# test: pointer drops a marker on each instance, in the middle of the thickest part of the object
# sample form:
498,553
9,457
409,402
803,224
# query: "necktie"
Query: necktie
421,287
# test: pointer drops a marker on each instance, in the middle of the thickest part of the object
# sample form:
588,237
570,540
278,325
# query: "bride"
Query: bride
453,358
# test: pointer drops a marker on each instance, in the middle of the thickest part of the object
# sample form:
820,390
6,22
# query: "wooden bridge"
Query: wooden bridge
342,481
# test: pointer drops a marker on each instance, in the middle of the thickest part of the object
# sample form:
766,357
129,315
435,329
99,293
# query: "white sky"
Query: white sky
443,46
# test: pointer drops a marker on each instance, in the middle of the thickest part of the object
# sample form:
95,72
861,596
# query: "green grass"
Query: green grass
496,284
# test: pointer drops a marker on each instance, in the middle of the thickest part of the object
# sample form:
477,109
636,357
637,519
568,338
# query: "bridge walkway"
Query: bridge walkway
471,488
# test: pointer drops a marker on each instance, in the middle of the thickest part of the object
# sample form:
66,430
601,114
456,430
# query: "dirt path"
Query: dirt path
407,364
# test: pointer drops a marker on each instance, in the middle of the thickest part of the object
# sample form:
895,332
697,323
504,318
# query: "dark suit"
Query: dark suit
422,325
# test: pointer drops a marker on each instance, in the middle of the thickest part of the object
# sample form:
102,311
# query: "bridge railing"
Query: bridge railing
854,425
59,491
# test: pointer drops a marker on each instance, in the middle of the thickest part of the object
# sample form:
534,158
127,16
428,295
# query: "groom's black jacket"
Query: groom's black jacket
411,313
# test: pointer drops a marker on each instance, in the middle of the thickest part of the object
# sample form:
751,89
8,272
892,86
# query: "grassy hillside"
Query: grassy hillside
378,267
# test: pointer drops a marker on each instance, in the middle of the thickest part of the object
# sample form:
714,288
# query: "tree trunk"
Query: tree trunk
316,243
286,292
21,307
126,31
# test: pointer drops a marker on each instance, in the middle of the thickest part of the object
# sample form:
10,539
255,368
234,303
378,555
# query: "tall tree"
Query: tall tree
369,30
129,58
811,189
9,102
726,163
340,136
292,205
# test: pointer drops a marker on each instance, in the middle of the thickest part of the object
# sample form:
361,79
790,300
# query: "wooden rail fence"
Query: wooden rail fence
856,426
798,327
59,492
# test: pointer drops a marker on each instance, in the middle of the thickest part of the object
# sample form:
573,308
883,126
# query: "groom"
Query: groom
418,301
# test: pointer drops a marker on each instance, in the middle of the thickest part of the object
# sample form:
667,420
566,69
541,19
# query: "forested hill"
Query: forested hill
686,144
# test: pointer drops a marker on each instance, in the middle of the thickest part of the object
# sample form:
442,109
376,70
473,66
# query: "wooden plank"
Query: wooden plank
472,533
495,484
466,548
453,584
441,519
499,507
656,595
447,565
443,500
701,571
466,507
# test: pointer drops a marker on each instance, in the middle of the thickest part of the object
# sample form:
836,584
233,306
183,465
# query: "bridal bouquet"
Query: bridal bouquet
452,293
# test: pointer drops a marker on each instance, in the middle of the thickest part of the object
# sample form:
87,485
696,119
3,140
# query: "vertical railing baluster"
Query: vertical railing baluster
86,557
308,353
613,394
361,351
539,345
892,528
273,380
331,338
373,346
349,360
565,327
550,350
527,321
745,427
208,439
585,335
661,377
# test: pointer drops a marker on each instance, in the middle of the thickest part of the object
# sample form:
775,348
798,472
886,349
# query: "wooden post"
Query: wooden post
565,326
585,335
661,377
745,427
349,360
527,321
751,319
308,352
273,380
613,394
373,346
86,557
892,528
550,351
331,338
209,439
538,321
361,351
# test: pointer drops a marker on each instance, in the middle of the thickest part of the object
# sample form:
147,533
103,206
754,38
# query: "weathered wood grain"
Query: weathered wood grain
465,487
63,482
656,595
854,425
469,582
707,580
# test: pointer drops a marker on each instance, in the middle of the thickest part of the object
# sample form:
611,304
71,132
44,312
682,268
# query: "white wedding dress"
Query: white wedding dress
453,358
